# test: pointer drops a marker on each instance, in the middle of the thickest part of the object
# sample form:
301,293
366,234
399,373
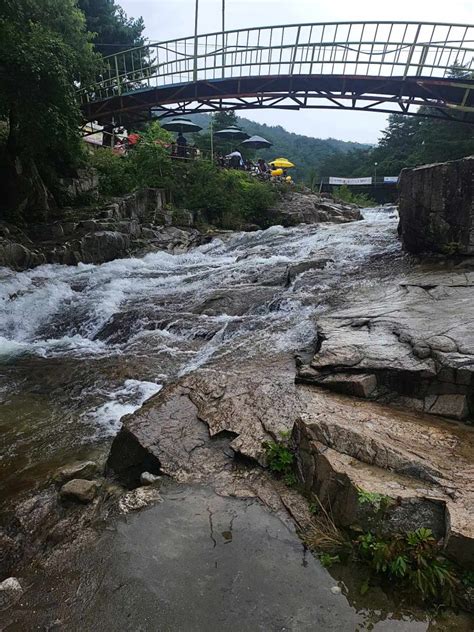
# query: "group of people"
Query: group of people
180,149
260,168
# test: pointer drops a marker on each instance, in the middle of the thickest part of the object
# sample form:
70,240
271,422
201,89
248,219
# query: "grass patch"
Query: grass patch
344,194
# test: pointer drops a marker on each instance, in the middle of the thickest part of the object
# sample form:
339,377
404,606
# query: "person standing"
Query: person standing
235,159
181,142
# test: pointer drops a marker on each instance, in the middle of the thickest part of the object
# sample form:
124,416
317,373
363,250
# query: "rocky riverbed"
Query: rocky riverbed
212,334
142,222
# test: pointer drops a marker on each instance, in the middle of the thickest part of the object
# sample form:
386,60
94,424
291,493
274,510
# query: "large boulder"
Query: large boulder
104,246
412,344
310,208
436,207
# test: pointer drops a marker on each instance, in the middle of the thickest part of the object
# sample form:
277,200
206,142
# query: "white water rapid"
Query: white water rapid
81,346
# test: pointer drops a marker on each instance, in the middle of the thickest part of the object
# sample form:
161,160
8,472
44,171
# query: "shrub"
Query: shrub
226,198
115,176
344,194
413,560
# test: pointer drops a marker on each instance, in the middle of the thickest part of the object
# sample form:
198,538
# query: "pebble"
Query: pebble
146,478
10,592
336,590
81,490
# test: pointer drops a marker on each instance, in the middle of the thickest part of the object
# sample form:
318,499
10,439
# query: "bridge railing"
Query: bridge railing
377,49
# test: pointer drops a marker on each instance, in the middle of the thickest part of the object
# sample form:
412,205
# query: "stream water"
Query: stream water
82,346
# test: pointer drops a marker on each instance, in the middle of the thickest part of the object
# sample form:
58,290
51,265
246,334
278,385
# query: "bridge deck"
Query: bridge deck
374,66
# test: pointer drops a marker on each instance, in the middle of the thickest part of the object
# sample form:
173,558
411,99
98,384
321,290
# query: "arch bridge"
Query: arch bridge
369,66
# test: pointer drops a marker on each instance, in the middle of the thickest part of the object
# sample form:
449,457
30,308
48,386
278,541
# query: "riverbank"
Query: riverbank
213,332
141,222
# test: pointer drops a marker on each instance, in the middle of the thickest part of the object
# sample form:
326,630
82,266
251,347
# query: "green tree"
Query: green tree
223,120
45,50
113,30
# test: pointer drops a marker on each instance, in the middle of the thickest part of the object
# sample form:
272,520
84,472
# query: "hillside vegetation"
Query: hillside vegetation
309,154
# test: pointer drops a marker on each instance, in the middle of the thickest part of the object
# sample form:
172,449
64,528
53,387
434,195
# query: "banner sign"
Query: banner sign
350,180
390,179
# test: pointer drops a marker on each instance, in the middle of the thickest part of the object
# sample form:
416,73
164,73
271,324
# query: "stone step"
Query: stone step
421,463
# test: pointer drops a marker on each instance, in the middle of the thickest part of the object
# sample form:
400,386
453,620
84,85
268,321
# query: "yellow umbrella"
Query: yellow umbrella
282,163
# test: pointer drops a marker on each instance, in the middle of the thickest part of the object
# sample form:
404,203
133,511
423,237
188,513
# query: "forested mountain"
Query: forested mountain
407,142
309,154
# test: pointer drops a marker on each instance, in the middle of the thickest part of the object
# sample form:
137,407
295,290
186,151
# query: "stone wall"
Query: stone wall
132,224
85,182
436,208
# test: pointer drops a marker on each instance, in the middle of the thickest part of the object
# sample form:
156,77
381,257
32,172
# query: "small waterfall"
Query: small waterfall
81,346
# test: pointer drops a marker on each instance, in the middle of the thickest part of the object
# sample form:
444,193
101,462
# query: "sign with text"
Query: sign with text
350,181
389,179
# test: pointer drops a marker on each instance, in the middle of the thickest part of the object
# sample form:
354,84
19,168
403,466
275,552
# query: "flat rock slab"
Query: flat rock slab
195,562
416,337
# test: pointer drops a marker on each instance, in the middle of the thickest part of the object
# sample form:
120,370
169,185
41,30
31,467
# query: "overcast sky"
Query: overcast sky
167,19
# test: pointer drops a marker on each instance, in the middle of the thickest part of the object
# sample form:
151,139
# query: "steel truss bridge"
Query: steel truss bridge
369,66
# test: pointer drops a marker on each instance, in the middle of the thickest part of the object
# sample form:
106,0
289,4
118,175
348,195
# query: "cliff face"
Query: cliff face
436,208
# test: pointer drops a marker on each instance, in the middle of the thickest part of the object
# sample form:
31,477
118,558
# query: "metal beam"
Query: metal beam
391,63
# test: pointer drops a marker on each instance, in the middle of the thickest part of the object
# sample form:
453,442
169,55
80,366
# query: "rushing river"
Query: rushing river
82,346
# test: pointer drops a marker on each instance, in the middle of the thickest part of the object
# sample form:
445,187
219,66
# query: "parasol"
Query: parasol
185,126
257,142
232,133
282,163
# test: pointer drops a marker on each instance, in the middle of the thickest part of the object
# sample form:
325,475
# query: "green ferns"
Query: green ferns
413,560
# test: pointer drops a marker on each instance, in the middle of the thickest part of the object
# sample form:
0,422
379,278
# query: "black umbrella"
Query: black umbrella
257,142
231,133
185,126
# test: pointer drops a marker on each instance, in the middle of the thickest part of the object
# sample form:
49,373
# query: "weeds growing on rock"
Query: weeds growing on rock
324,535
327,560
413,560
280,459
378,501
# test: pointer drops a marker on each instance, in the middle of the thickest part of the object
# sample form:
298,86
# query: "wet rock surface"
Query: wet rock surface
414,338
80,490
199,561
310,208
85,470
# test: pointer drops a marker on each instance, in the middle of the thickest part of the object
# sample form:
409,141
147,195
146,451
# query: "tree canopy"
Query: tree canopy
45,50
113,30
